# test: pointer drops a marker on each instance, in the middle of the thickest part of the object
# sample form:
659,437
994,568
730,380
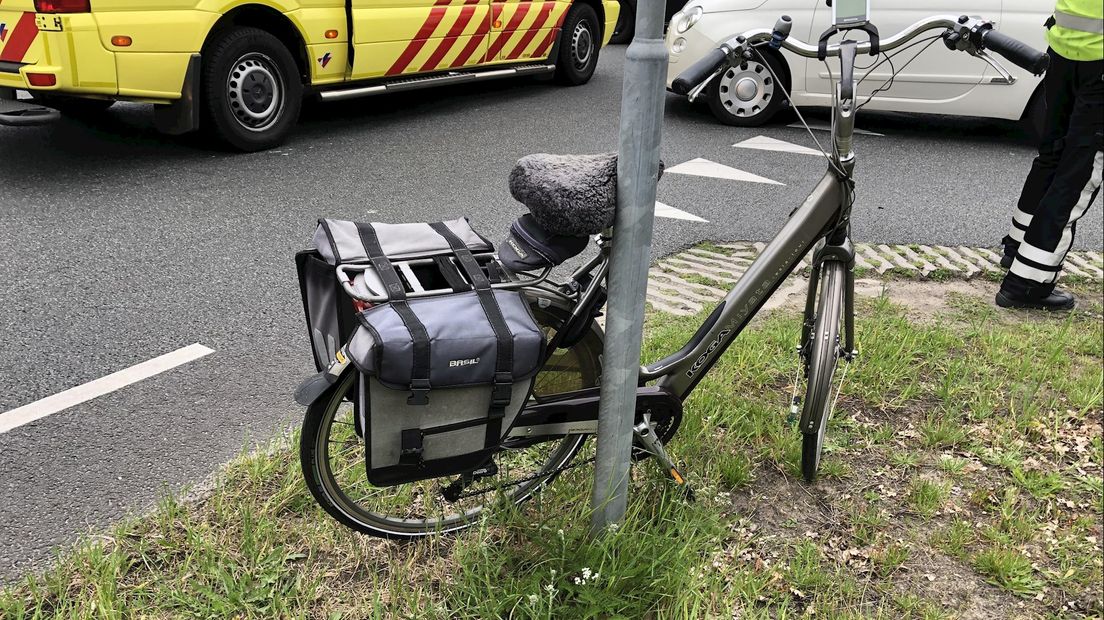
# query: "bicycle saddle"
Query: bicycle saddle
572,195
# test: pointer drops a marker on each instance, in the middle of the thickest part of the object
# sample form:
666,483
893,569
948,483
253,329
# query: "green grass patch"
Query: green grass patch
966,447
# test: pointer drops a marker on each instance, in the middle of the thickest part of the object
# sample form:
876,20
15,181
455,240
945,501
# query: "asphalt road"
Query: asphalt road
118,245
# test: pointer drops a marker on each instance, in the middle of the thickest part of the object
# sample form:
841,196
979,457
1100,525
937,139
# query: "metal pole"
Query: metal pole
637,173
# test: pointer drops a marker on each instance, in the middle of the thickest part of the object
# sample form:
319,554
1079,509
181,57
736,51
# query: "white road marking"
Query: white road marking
665,210
98,387
704,168
823,127
763,143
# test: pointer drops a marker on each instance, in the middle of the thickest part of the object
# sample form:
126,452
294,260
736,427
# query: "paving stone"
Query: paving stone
925,265
938,258
881,264
979,260
1083,264
670,291
897,259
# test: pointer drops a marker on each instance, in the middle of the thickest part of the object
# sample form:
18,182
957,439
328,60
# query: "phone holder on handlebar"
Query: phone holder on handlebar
868,28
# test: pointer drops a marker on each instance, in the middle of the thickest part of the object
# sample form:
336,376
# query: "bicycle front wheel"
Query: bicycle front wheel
332,456
823,351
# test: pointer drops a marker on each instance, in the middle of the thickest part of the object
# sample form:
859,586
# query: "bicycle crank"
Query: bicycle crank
647,439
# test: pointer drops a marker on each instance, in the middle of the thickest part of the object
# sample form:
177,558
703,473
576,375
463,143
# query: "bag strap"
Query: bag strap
504,360
396,293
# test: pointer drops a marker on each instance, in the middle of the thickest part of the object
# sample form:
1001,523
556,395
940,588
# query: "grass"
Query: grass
962,479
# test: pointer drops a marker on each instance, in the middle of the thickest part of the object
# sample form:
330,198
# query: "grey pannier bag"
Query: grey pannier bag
443,376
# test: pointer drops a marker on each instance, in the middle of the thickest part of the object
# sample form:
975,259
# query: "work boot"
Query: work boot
1055,300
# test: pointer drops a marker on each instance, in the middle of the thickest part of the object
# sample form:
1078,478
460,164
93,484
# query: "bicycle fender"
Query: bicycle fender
316,385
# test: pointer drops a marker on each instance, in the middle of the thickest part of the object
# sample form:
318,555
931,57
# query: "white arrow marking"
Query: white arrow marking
664,210
98,387
705,168
763,143
822,127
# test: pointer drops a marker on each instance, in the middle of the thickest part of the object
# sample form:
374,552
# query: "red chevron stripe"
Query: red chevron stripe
546,10
451,37
20,39
477,38
415,46
542,49
507,32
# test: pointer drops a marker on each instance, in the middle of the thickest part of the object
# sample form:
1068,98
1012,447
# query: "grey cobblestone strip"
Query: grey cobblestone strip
687,282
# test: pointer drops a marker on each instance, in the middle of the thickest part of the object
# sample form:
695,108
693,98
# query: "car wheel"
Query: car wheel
252,92
626,24
76,107
580,40
748,95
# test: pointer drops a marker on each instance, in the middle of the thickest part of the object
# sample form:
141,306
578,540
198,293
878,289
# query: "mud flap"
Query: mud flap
14,113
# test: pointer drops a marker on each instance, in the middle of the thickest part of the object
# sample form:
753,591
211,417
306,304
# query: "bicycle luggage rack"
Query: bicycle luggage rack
422,277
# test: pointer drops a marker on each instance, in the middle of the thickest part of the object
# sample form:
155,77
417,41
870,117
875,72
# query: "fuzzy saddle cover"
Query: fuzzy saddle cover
573,195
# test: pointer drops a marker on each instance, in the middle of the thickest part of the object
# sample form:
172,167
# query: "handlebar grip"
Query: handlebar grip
1019,53
696,74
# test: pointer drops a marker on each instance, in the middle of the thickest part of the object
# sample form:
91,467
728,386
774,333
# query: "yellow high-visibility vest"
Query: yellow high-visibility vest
1078,30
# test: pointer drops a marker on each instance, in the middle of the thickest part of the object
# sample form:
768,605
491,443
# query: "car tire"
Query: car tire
251,90
748,95
580,42
77,107
626,24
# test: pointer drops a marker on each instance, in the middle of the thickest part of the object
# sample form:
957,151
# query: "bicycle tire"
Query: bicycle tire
824,352
323,482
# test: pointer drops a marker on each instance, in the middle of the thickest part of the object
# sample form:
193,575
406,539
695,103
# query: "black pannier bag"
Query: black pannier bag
442,376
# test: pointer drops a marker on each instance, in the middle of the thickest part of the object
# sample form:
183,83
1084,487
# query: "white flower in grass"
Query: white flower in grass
550,589
586,572
533,598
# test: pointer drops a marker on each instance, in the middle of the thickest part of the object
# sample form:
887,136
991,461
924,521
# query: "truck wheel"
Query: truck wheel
76,107
251,89
580,40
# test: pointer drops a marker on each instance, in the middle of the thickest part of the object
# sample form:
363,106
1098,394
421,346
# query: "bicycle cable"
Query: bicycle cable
797,111
886,85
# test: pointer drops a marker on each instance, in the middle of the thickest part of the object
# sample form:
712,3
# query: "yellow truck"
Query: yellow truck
239,69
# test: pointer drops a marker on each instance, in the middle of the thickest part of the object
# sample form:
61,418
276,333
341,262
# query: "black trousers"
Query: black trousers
1064,179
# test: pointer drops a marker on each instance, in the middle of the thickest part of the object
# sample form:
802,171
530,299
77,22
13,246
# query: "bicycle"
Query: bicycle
562,411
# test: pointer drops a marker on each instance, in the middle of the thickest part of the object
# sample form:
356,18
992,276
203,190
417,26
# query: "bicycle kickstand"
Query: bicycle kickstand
646,436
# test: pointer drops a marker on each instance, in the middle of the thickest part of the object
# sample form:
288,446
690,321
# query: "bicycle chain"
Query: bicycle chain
545,474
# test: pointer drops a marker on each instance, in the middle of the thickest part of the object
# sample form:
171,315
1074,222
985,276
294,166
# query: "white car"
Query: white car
936,81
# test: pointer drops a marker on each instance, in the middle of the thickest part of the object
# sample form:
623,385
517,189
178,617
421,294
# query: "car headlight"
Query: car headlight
678,46
687,20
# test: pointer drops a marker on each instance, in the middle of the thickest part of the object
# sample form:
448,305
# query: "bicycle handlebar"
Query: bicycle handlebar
700,70
1016,51
963,33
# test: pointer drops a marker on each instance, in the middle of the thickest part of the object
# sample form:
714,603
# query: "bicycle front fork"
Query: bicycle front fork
845,253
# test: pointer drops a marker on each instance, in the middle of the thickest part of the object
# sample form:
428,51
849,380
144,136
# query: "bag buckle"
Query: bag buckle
410,447
502,393
419,392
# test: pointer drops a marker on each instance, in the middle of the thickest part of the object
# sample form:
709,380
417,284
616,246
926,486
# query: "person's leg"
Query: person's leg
1058,90
1075,185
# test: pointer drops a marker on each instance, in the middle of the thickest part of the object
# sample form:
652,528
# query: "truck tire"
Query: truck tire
580,41
251,89
76,107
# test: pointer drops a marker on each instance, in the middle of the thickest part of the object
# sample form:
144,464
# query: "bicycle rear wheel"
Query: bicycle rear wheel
822,351
332,456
